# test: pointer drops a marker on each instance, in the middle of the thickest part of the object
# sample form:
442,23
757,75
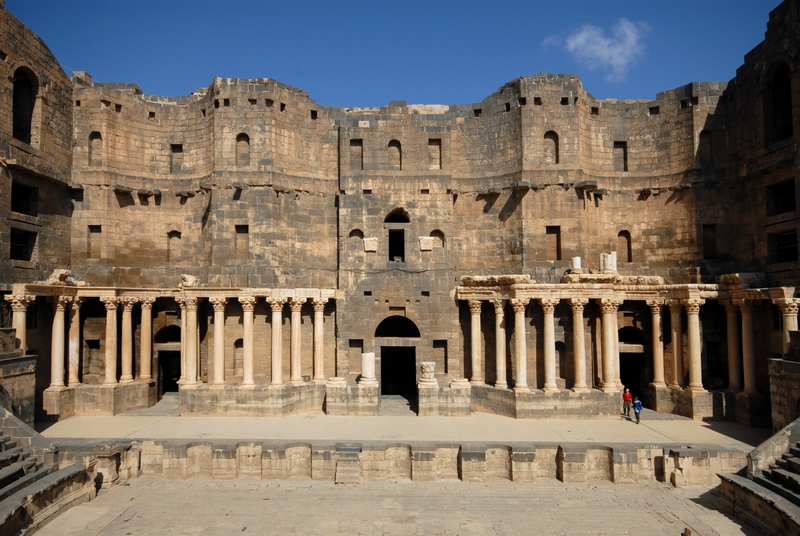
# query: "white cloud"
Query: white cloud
590,46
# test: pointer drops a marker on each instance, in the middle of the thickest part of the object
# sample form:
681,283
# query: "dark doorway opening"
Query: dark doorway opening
632,373
169,363
399,374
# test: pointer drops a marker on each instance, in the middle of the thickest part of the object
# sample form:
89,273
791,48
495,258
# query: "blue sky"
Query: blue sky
365,53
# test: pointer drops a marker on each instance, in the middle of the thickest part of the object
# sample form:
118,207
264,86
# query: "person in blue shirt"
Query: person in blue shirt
637,408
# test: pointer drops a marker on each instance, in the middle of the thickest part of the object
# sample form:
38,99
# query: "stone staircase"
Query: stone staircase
768,495
33,489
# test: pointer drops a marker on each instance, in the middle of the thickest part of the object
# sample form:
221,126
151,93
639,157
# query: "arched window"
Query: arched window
778,105
395,155
705,151
26,87
356,233
438,238
95,149
550,148
242,150
173,246
396,223
624,253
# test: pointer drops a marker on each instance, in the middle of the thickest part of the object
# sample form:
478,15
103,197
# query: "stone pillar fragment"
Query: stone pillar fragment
734,347
675,309
219,341
608,308
368,369
127,339
549,307
111,341
276,304
146,340
248,308
74,345
475,346
57,343
500,344
695,344
319,344
658,343
579,344
520,348
295,372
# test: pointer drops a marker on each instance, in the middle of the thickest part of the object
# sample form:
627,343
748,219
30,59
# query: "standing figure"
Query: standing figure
626,403
637,408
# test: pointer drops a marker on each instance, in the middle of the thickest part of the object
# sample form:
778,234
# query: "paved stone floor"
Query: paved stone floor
153,506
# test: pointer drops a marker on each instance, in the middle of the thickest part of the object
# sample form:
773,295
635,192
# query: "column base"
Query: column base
248,386
319,381
522,389
657,385
477,382
190,386
581,389
109,385
296,381
499,385
548,389
368,382
126,380
217,386
696,389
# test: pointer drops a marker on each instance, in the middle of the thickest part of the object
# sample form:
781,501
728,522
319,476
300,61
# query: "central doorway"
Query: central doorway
398,338
398,371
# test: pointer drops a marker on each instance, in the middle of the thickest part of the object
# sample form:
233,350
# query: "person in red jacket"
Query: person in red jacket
627,399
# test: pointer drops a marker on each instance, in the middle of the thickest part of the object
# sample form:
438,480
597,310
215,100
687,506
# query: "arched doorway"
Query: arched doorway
397,374
635,368
167,350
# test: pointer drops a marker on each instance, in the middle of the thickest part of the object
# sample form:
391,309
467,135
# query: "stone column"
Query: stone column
74,357
248,307
127,339
111,340
748,346
675,309
277,343
190,380
579,344
500,344
658,343
146,340
219,341
549,307
475,347
521,381
19,320
695,344
57,343
734,347
319,345
368,370
295,372
182,305
789,308
608,308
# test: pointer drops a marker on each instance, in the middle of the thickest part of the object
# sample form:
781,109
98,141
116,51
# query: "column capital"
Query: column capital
675,306
693,304
498,305
189,303
19,302
248,302
609,305
128,302
519,304
61,302
111,303
577,304
319,303
276,304
549,304
147,303
789,306
655,305
218,302
475,306
296,304
745,306
77,302
730,307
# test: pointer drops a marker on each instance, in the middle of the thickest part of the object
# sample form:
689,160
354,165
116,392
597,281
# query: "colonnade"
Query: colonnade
189,338
740,340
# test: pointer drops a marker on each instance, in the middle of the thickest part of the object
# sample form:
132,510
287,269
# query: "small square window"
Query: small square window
314,115
151,115
268,103
252,102
226,102
477,112
283,107
565,101
537,101
595,110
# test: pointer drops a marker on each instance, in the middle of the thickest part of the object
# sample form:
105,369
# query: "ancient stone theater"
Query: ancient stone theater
527,255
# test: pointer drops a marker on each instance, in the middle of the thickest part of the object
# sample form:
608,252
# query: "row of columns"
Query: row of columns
189,338
741,356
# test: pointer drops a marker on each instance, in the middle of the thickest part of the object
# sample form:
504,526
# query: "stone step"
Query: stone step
7,443
26,481
789,463
12,456
348,465
785,478
795,451
16,470
777,488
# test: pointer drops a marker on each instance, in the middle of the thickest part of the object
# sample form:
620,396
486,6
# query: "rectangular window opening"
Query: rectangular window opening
425,293
782,247
268,103
397,250
440,355
781,198
118,108
356,154
684,104
654,110
553,242
621,156
537,101
242,247
283,107
565,101
477,112
252,102
24,199
434,154
226,102
176,157
151,115
23,245
595,110
366,191
523,101
425,191
695,101
314,115
367,293
77,104
94,245
216,103
508,107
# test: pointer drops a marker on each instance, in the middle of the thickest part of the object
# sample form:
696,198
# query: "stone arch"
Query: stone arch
95,147
395,155
397,326
551,155
242,150
356,233
438,238
25,106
